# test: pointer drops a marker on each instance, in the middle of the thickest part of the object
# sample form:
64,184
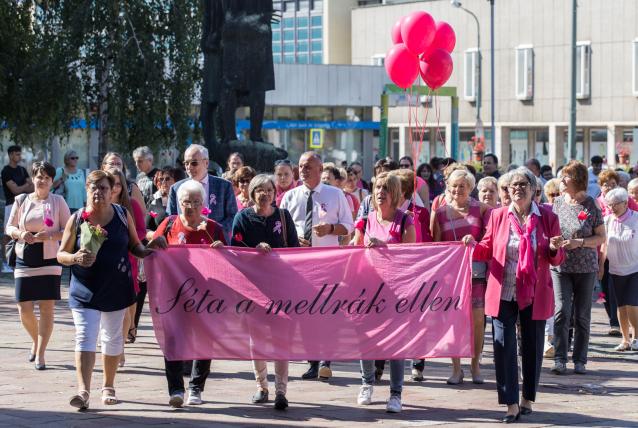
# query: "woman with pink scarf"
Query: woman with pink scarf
520,243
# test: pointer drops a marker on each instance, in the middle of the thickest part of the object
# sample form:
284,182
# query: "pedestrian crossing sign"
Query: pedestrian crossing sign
316,139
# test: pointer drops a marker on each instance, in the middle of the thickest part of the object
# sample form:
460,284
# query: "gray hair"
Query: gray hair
312,154
487,181
522,171
462,173
616,195
624,175
633,183
504,180
188,187
143,152
258,181
69,154
198,147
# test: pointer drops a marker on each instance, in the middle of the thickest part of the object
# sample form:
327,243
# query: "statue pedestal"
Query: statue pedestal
257,154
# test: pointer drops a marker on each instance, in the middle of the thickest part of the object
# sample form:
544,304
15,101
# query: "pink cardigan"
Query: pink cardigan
492,249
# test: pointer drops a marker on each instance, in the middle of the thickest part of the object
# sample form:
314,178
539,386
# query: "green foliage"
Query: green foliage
132,66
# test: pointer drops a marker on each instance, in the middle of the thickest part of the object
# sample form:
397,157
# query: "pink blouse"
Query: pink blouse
390,233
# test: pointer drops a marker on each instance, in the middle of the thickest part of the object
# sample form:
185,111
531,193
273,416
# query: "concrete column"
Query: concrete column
556,146
502,145
614,139
403,141
367,157
448,140
586,144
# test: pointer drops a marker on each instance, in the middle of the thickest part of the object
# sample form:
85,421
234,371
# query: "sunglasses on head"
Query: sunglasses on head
283,162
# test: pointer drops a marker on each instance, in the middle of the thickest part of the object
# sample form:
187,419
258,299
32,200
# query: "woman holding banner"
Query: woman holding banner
190,227
520,243
386,224
265,227
101,286
464,215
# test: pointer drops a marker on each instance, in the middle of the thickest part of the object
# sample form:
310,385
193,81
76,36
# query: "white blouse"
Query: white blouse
622,243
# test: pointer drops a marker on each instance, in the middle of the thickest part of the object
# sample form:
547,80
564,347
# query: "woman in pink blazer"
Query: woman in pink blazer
520,243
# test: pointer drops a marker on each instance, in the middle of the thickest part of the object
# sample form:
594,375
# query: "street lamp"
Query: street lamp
479,122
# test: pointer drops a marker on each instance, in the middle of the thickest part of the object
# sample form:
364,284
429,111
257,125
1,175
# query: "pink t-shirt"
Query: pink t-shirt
390,233
472,224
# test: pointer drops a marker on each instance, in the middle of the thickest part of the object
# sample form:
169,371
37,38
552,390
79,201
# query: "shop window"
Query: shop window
583,70
470,74
524,72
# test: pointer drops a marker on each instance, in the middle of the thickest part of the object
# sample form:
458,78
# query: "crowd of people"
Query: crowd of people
542,242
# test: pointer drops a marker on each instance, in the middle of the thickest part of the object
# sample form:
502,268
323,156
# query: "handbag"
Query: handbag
10,247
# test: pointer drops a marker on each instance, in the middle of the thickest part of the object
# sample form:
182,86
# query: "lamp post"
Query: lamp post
479,122
493,139
571,133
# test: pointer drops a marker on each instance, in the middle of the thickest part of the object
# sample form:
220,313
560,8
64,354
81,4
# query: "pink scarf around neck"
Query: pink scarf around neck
526,268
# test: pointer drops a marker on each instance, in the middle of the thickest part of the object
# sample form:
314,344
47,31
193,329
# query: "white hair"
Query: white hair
616,195
188,187
464,174
143,152
633,183
504,180
522,171
487,181
198,147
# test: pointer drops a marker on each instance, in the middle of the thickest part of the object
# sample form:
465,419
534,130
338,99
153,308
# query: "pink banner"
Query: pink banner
403,301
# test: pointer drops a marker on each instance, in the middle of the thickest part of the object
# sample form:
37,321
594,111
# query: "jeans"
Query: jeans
91,322
505,359
260,367
396,375
573,294
175,375
610,297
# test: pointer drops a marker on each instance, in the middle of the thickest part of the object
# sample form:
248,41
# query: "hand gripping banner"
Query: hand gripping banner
395,302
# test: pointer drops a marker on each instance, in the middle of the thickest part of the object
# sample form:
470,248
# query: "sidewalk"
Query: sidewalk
607,396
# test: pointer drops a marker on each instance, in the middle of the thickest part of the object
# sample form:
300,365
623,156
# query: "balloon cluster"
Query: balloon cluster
421,45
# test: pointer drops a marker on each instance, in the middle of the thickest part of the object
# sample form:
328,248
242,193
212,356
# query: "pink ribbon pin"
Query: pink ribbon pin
277,227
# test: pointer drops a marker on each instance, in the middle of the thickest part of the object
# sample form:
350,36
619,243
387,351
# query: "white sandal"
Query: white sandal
78,401
109,399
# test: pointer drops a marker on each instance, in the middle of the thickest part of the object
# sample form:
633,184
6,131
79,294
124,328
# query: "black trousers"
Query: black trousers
175,375
505,361
141,297
611,306
316,363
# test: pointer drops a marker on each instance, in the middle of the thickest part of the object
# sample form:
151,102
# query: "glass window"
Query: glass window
524,73
302,21
598,143
302,46
316,33
289,58
289,22
317,58
318,113
276,48
276,26
583,70
316,21
304,5
289,47
302,58
579,146
470,74
317,5
316,45
289,113
289,35
541,146
518,146
289,6
276,59
276,36
302,34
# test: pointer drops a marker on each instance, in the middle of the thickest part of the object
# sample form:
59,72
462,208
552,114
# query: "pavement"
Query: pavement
607,396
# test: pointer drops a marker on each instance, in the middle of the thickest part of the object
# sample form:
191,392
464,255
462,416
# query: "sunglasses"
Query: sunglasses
165,179
74,158
553,195
244,181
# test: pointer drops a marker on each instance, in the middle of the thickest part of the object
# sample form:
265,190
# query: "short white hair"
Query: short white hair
143,152
616,195
522,171
487,181
197,147
464,174
633,183
188,187
504,180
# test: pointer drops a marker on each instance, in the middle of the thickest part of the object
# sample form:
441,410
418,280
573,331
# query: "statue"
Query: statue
238,70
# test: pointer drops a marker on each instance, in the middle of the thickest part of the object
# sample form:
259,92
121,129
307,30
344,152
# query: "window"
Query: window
302,34
316,33
634,72
524,73
316,21
302,46
276,48
471,74
289,47
317,58
289,23
302,58
583,70
289,58
302,21
378,59
316,45
289,35
276,36
317,5
304,5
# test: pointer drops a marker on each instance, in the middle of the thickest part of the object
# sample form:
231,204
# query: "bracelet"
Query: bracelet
332,229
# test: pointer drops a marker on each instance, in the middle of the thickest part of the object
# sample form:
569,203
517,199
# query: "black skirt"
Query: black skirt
626,289
36,278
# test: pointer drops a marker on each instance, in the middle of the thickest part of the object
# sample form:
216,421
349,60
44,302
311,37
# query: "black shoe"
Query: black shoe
40,366
526,410
281,403
31,357
510,419
378,374
260,396
312,373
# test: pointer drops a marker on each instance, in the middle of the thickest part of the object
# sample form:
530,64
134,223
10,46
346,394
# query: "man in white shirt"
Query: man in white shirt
321,214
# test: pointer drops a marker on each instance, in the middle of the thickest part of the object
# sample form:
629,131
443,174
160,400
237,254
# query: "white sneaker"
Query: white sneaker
177,400
394,404
6,268
365,395
194,398
417,375
634,345
549,350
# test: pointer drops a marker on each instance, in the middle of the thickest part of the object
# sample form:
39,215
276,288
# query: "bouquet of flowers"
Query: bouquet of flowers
91,236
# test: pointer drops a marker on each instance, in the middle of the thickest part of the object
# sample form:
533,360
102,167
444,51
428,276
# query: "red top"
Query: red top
180,234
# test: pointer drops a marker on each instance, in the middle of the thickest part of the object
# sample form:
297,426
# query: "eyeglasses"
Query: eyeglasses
165,179
191,204
553,195
283,162
94,188
519,185
193,163
244,181
74,158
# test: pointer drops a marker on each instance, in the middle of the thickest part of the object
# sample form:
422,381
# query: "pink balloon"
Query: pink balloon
444,38
401,65
417,31
437,69
396,32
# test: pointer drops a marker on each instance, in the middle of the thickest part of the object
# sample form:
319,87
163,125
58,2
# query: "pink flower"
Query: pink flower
48,222
582,216
85,215
203,225
601,298
153,214
206,211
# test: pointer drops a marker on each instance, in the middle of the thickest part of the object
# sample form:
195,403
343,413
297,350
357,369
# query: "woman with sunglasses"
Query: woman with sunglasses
242,179
69,182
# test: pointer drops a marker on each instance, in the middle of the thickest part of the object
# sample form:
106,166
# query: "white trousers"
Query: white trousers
90,322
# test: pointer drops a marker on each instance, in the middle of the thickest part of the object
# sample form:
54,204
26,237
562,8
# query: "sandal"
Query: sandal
625,346
108,396
131,336
80,400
